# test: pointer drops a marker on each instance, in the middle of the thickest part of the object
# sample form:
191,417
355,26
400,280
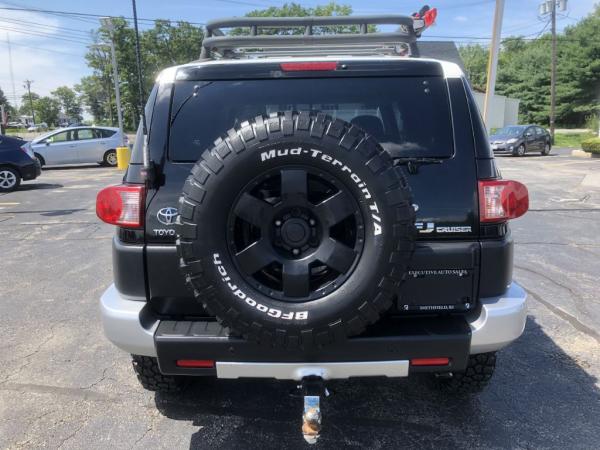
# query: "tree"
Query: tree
96,97
165,44
297,10
47,110
524,73
25,109
475,60
8,108
3,99
70,103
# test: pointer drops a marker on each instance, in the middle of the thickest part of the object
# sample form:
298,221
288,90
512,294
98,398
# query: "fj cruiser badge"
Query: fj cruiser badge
430,227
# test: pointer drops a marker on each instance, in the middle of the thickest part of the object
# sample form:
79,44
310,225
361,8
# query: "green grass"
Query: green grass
15,131
571,139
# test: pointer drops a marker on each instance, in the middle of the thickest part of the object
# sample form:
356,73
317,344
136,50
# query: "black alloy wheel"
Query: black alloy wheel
296,233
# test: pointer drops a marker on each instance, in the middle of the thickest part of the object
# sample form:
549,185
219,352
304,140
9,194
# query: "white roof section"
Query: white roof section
450,69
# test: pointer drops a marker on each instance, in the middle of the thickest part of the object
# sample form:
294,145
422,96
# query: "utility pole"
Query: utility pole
107,22
138,57
493,63
10,70
548,7
553,72
27,86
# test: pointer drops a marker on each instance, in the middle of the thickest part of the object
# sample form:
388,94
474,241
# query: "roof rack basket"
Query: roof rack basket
314,36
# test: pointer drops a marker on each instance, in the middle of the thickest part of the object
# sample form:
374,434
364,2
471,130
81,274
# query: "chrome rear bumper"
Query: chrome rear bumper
326,371
500,321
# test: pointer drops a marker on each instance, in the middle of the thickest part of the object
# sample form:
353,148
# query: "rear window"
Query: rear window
409,116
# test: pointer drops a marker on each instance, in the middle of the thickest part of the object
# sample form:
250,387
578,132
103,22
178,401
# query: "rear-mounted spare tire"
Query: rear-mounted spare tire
296,229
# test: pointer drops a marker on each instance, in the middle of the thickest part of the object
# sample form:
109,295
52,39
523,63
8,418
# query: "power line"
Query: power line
51,27
46,49
78,39
44,35
78,14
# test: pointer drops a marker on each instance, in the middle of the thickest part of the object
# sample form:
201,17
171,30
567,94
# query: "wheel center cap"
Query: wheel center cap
295,232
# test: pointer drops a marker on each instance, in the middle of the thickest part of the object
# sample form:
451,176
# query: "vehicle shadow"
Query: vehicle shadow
526,155
73,166
48,212
39,186
538,398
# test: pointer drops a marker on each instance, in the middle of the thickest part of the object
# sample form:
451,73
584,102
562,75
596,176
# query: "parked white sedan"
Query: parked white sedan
78,145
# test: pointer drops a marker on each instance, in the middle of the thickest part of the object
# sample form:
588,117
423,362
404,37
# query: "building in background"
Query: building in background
504,110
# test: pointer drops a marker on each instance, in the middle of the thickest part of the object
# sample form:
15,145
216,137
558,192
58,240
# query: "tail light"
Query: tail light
501,200
196,363
430,361
28,151
308,66
121,205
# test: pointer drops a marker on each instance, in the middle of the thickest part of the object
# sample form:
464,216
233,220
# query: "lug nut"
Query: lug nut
296,251
278,223
312,222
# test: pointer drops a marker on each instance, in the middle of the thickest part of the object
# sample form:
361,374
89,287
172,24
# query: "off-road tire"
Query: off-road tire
235,160
149,376
475,378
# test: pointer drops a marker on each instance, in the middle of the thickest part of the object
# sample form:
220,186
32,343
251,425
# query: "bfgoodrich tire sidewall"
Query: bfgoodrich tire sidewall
214,250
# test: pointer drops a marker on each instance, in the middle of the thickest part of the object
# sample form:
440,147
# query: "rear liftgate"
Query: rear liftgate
381,349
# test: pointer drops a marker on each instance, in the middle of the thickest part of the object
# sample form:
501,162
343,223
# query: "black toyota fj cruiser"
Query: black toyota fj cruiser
313,206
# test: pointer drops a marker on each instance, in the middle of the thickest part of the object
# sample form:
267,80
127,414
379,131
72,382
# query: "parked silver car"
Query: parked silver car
78,145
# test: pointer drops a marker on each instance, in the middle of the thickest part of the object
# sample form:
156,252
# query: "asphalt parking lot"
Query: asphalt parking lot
62,385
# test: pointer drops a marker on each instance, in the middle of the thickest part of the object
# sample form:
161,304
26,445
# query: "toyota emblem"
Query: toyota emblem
167,215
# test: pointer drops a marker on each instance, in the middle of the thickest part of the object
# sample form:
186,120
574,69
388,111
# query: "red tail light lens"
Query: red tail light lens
121,205
430,361
196,363
308,66
501,200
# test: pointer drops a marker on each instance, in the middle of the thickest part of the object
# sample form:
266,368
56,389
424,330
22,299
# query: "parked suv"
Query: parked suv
310,218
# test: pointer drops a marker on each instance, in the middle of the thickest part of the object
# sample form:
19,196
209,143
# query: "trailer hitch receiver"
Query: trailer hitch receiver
312,388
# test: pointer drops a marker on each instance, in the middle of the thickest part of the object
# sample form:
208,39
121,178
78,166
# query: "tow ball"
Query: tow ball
312,388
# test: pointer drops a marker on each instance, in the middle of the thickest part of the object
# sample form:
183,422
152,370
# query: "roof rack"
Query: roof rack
309,40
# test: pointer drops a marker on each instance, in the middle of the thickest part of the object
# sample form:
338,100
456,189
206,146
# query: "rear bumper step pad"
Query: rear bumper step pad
391,346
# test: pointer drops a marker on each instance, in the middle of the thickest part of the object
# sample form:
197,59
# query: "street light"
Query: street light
107,22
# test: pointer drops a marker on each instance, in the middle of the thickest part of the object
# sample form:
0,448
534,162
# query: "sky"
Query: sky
49,48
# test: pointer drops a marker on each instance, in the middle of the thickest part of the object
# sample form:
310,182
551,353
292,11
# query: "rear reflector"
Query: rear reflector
308,66
430,361
196,363
121,205
501,200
